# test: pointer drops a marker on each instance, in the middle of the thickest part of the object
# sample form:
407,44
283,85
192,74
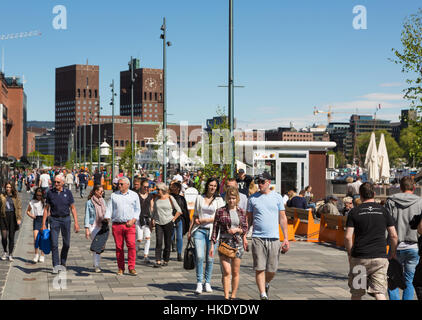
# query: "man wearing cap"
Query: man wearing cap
243,180
266,211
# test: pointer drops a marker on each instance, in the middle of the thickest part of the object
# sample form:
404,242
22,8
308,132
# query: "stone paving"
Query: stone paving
309,271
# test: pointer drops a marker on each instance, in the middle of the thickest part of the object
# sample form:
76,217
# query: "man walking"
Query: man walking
367,255
83,182
243,202
403,207
59,202
266,210
44,182
123,209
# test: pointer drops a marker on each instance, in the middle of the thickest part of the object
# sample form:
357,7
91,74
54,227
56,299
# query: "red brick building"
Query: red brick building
147,93
77,103
33,132
142,131
13,101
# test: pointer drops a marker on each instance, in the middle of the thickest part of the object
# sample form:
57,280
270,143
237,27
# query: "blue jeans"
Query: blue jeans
82,187
201,238
58,225
19,185
409,258
178,233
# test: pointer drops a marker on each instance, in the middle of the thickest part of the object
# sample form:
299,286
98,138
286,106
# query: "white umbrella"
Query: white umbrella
384,163
371,160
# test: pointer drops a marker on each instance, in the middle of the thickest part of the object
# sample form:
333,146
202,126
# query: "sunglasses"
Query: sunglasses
56,181
262,181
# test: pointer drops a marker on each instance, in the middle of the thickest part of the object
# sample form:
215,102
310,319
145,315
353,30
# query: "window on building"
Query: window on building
145,95
96,93
161,96
122,143
84,93
150,96
90,93
156,96
143,143
79,93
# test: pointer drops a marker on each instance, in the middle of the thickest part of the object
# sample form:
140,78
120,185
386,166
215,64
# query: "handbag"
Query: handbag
100,239
189,257
227,250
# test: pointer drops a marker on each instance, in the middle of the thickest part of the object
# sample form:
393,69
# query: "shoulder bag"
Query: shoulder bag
227,250
189,257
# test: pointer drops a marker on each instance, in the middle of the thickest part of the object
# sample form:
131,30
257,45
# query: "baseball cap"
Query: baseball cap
264,176
332,197
241,171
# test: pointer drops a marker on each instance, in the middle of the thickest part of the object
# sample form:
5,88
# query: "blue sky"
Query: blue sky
289,55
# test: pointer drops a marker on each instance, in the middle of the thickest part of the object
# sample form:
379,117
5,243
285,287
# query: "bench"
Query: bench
292,225
302,222
332,229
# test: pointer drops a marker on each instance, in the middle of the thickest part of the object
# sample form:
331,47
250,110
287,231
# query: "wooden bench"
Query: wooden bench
332,229
292,225
302,222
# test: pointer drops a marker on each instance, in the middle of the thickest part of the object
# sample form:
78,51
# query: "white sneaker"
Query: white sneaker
4,256
42,259
208,288
198,288
11,258
36,257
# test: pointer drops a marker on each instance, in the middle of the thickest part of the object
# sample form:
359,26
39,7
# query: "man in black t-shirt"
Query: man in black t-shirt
367,255
97,177
243,181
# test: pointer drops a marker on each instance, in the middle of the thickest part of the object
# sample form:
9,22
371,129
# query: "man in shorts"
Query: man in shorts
368,258
266,211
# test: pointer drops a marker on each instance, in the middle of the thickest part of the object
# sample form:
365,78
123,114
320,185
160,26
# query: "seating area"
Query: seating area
303,224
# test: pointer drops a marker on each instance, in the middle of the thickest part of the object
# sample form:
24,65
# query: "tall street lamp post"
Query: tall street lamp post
231,88
132,82
165,44
112,126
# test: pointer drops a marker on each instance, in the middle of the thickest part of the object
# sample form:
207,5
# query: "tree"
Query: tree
409,143
340,159
393,149
410,58
126,162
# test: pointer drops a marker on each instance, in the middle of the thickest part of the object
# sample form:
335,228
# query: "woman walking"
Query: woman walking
163,219
95,210
232,224
182,223
35,211
206,205
10,218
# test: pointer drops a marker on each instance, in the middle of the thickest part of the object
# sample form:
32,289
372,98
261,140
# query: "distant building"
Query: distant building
13,100
277,134
338,132
45,143
33,132
77,103
297,136
216,122
406,116
147,93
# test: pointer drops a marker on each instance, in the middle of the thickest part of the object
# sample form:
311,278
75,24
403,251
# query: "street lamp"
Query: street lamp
90,136
84,141
99,138
165,45
231,88
132,83
112,126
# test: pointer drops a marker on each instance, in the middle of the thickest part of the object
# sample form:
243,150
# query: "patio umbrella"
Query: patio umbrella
371,160
383,162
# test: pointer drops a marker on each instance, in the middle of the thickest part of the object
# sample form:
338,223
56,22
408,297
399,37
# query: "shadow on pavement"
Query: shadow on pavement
196,297
322,275
29,271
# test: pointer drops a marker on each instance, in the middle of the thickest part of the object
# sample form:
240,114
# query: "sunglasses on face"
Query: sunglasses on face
261,181
56,181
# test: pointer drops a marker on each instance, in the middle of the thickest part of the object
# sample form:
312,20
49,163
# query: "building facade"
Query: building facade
45,143
13,103
77,103
147,93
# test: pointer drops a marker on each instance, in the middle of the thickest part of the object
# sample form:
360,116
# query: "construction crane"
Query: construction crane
12,36
329,113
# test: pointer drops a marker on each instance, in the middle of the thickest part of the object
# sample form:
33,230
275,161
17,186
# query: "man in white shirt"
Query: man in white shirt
45,182
123,210
178,177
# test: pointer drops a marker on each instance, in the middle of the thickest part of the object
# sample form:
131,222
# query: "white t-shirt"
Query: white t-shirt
44,180
36,208
178,177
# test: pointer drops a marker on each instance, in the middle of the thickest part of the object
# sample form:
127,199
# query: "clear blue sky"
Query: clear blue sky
289,55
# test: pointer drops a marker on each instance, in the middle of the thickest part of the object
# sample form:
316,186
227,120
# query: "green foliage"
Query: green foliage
47,160
410,59
393,149
126,162
218,170
340,159
411,144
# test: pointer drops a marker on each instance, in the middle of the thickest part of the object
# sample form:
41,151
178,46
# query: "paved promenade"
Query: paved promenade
308,272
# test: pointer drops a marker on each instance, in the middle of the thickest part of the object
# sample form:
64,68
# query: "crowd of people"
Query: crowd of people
230,217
